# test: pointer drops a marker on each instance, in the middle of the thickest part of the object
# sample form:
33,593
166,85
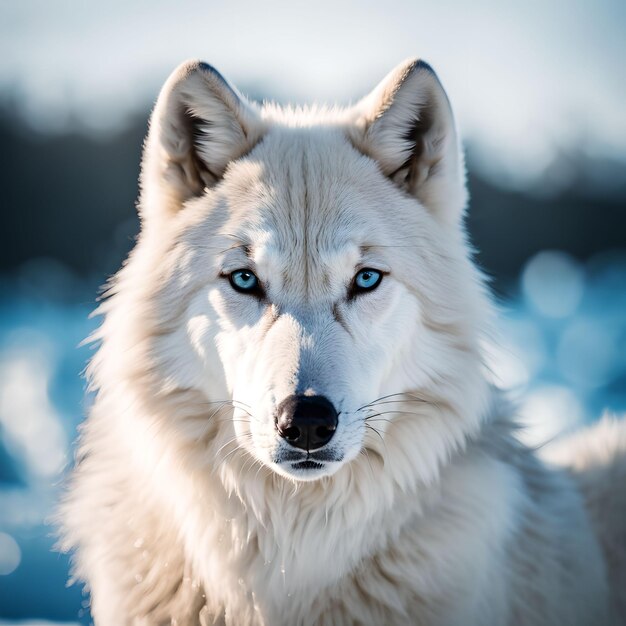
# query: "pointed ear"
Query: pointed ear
406,124
199,125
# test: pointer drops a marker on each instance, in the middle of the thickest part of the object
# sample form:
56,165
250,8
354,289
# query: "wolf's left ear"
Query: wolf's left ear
406,125
199,125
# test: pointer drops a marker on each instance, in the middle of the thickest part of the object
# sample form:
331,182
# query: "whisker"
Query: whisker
261,466
372,418
236,449
238,404
363,451
393,413
241,403
407,394
246,411
377,432
249,462
217,411
408,401
235,438
230,401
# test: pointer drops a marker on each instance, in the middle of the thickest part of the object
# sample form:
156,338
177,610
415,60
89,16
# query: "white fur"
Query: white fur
182,508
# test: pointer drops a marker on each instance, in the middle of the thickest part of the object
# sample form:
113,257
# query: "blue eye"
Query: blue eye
367,279
244,281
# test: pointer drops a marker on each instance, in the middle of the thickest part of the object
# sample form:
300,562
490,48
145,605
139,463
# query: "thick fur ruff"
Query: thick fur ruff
186,505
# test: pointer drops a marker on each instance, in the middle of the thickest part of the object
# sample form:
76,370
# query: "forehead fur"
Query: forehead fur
307,183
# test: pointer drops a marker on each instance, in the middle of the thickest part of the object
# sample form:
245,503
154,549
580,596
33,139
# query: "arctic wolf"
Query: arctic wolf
293,424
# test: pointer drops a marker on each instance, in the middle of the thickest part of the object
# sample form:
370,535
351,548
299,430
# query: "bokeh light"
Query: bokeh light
10,554
32,427
586,354
553,282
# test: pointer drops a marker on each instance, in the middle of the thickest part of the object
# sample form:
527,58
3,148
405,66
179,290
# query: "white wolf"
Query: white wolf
293,424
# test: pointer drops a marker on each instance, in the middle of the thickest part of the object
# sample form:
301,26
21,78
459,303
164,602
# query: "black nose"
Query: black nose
306,422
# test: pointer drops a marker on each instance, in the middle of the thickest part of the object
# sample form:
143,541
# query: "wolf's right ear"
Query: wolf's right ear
199,125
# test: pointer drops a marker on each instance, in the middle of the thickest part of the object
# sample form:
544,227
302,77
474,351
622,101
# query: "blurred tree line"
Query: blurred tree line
71,197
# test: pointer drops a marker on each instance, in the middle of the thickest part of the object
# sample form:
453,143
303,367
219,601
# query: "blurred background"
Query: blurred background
539,90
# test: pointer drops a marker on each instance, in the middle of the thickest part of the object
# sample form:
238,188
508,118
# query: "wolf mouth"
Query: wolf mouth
318,457
307,465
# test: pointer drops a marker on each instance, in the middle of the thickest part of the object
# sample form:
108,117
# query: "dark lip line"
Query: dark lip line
307,465
323,458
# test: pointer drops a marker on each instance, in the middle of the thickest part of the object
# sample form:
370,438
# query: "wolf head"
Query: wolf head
308,269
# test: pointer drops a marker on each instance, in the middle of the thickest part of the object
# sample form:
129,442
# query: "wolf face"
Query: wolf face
308,274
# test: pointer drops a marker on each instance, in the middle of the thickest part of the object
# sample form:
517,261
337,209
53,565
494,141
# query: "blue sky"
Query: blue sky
526,78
